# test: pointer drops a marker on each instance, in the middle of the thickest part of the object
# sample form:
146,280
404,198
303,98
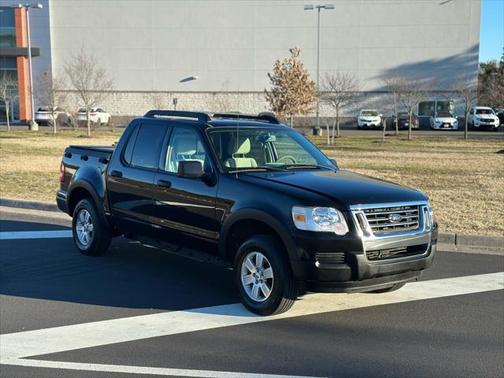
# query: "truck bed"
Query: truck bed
75,157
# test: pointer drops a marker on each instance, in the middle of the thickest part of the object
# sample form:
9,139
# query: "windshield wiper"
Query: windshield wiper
259,168
304,166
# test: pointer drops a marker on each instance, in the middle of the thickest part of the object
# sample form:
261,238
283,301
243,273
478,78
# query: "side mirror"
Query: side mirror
190,169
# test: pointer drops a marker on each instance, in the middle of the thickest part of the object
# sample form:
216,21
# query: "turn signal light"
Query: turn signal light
62,173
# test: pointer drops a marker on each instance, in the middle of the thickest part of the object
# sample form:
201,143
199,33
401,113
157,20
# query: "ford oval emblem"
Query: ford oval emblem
394,218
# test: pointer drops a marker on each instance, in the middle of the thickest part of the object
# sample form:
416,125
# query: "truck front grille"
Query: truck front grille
393,219
391,253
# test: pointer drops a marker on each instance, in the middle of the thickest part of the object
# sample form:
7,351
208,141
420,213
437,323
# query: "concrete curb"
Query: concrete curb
447,242
33,205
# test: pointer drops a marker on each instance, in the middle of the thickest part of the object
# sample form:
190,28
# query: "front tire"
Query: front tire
263,276
90,233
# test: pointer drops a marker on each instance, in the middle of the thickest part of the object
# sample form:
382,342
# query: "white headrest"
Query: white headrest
244,147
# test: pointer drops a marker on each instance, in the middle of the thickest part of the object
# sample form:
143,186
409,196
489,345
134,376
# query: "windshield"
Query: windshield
444,114
265,148
369,113
484,111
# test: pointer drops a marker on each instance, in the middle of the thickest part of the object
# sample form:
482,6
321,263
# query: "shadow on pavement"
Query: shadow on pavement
129,275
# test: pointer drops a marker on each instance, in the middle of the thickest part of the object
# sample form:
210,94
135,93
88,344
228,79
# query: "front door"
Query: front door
184,208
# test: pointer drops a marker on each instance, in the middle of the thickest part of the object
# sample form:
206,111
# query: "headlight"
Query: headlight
430,219
319,219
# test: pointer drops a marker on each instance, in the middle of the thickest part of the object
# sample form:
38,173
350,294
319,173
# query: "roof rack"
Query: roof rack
268,117
200,116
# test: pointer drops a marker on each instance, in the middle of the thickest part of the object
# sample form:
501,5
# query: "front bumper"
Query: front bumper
445,126
369,124
355,263
486,126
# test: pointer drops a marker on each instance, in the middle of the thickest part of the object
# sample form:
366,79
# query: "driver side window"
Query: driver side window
185,145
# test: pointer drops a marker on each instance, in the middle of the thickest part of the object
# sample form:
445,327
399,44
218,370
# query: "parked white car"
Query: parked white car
482,117
45,117
369,118
97,116
443,121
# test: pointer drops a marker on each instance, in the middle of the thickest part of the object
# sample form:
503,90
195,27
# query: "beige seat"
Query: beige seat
185,147
238,158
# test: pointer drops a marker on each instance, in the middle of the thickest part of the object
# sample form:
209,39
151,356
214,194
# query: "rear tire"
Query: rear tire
263,276
90,233
394,287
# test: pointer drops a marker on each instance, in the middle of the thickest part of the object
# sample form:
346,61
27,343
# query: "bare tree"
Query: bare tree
8,93
491,83
338,91
411,92
292,90
50,92
158,100
393,86
91,81
467,93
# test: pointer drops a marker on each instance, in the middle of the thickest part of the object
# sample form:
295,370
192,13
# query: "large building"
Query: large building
215,54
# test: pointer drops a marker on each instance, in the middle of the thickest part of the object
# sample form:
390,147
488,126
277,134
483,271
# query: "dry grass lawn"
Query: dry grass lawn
465,180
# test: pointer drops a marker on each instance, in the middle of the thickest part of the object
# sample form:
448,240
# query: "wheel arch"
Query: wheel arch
248,222
81,190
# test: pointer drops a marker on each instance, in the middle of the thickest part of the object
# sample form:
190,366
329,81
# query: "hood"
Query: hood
445,119
343,187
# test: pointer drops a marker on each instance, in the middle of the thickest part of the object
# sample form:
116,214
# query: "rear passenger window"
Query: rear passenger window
147,144
128,151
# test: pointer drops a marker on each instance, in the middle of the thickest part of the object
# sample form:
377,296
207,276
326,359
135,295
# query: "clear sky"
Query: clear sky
492,30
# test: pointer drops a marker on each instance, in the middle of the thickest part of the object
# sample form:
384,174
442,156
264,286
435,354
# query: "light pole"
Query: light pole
318,8
27,7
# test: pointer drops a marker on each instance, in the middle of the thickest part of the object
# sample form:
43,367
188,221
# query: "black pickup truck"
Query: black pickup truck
256,193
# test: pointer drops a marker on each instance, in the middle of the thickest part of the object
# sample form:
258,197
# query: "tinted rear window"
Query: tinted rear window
147,144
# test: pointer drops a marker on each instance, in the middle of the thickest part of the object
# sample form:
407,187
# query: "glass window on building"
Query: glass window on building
445,107
426,108
8,69
7,27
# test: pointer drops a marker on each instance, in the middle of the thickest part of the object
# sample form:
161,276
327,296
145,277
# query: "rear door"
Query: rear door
184,208
131,177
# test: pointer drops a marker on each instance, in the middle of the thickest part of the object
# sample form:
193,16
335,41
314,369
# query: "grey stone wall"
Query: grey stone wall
137,103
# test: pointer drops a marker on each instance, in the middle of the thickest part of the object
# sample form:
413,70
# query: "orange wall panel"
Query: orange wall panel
22,67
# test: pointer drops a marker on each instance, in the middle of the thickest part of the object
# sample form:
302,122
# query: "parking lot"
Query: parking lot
142,311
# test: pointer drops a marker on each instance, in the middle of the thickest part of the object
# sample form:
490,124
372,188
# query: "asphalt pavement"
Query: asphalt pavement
139,311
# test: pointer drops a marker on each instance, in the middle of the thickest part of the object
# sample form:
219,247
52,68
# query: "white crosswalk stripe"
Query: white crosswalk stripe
19,235
14,347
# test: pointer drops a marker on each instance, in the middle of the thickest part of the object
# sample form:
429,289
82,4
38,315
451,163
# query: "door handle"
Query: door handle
115,173
164,183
